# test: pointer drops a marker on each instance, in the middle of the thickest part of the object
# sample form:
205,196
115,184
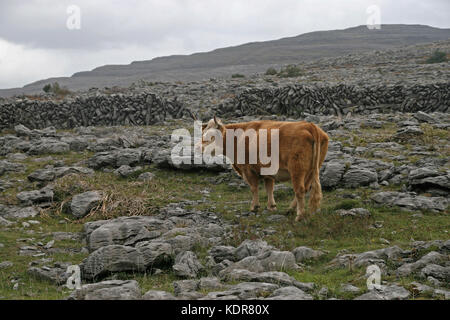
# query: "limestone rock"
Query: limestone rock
108,290
82,204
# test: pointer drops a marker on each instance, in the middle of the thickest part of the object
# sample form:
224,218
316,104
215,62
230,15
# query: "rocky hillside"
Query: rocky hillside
101,190
378,81
248,58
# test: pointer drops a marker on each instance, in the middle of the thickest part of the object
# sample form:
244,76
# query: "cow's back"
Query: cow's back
294,138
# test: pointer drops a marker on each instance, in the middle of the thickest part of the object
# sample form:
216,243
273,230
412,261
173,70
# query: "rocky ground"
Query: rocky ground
110,200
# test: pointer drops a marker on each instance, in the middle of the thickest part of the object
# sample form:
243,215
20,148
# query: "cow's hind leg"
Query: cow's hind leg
298,183
268,183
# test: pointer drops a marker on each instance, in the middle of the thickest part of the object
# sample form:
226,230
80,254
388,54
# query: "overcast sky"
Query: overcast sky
35,42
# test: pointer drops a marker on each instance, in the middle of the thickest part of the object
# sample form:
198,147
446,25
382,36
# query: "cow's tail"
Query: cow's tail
316,189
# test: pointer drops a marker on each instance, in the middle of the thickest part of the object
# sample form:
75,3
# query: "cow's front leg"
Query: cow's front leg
255,199
268,183
252,180
293,204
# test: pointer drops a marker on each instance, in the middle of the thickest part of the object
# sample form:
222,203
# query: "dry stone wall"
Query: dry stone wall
90,110
145,108
296,100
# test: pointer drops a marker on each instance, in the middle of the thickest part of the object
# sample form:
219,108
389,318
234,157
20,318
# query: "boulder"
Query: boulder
146,176
50,174
118,258
5,222
410,201
424,117
303,254
357,177
251,248
210,283
407,133
363,259
158,295
182,286
126,171
36,196
48,146
386,292
436,271
123,230
276,277
187,265
424,179
7,166
430,258
83,203
128,157
348,288
332,173
13,212
56,275
108,290
244,290
220,253
278,260
289,293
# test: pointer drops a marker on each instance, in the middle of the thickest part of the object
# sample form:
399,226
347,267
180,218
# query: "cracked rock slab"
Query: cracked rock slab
82,204
118,258
409,201
388,292
187,265
108,290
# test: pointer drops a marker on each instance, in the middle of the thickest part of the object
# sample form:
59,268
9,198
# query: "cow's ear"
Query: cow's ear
218,122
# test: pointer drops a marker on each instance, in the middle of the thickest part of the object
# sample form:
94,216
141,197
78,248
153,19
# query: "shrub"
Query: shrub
237,75
271,71
47,88
290,71
437,57
56,89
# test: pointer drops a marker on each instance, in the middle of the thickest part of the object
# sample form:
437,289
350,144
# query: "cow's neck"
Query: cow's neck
224,141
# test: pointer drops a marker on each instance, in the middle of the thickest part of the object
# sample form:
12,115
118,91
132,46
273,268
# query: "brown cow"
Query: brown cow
302,150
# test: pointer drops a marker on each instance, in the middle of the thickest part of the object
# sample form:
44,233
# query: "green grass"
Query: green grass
30,288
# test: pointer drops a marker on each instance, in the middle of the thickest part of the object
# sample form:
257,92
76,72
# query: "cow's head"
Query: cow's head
208,134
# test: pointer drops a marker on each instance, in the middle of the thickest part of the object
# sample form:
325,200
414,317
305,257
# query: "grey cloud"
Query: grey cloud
123,31
109,24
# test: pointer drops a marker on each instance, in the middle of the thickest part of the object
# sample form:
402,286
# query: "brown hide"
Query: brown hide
302,150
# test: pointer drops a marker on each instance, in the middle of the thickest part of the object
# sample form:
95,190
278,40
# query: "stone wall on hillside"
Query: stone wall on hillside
90,110
338,100
290,100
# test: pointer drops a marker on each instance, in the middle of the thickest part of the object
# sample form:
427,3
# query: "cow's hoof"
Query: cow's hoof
272,208
299,218
290,212
255,209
